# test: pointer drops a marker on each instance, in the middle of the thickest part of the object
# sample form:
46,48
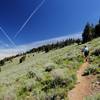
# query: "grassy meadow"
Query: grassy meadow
44,76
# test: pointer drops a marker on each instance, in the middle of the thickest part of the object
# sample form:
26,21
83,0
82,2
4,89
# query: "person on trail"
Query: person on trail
85,51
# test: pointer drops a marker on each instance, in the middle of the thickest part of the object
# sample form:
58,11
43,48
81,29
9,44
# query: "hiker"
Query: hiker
85,51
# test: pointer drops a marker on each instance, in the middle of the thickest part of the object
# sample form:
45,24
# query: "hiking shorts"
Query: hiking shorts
86,53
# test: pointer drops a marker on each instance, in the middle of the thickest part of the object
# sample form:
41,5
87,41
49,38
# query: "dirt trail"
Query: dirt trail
83,86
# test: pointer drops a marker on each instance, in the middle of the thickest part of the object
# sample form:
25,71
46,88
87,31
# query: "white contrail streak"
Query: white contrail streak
7,36
37,8
10,40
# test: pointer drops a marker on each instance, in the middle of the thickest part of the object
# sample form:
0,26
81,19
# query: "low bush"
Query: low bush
96,52
31,74
2,62
54,97
98,78
46,50
49,67
92,70
22,90
93,97
22,59
59,79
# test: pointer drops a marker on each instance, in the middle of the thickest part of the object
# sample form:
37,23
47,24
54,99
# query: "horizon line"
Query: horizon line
6,52
52,40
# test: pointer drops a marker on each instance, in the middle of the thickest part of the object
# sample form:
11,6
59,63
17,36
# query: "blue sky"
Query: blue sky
55,18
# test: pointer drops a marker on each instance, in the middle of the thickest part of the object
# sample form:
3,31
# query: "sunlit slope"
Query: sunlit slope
36,75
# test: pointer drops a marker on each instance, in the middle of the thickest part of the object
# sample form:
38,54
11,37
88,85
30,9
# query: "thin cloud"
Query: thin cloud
26,47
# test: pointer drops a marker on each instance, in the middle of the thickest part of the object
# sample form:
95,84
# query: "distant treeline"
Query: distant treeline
89,33
44,48
57,45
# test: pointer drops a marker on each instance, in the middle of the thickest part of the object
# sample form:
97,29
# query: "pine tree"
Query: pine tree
97,30
88,32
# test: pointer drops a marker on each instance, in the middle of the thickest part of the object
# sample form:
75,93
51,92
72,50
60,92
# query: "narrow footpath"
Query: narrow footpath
83,86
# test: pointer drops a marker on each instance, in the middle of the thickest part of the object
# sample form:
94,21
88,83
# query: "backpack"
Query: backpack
86,50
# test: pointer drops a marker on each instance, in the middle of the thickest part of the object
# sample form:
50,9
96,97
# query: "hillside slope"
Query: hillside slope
44,76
